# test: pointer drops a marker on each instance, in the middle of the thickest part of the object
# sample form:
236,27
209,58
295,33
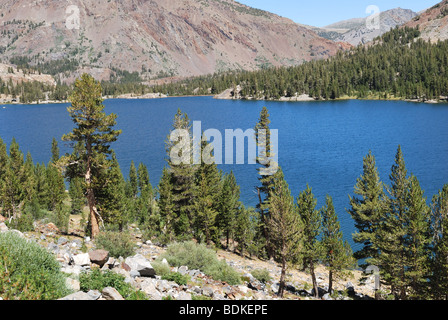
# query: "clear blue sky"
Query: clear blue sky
320,13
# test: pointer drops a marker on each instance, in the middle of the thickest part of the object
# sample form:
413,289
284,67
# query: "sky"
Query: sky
320,13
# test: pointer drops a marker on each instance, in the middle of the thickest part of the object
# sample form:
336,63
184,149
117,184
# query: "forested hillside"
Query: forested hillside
395,65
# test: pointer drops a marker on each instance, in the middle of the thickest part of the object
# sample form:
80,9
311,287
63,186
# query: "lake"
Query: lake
320,143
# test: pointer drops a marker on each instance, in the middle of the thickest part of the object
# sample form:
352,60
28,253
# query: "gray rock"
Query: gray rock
77,296
82,259
62,241
183,296
3,227
134,274
148,287
207,291
110,293
72,284
141,264
95,294
183,270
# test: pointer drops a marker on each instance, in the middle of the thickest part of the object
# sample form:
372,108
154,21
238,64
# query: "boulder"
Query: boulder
141,264
99,257
77,296
183,270
94,294
82,259
3,227
72,284
148,287
110,293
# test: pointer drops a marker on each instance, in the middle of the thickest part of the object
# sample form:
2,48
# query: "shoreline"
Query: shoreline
441,101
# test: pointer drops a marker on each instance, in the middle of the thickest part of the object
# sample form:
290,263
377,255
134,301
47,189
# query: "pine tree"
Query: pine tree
367,208
95,130
29,180
54,151
284,226
167,206
403,235
77,197
182,176
229,206
133,181
417,241
439,244
208,188
247,226
13,181
113,198
263,140
311,222
337,254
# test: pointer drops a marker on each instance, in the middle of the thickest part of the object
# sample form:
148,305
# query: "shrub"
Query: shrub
160,268
262,275
98,280
117,243
180,279
28,271
198,256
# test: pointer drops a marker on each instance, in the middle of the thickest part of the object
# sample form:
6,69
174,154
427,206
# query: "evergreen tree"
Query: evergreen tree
311,222
417,241
263,140
283,225
337,254
439,244
182,176
167,206
367,208
54,151
403,236
113,198
208,187
95,130
246,230
229,206
77,197
13,181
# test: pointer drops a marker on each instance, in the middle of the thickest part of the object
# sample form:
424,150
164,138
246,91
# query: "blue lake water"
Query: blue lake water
320,143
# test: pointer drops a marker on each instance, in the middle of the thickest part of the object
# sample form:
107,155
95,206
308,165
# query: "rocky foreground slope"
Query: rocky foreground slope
77,255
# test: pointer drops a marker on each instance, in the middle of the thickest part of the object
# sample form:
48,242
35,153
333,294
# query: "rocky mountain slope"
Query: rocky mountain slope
157,38
433,23
356,31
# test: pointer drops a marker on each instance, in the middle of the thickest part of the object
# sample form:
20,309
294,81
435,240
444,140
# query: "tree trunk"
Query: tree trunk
94,215
281,289
330,282
313,276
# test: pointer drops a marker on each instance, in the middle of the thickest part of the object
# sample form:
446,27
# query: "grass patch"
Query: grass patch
198,256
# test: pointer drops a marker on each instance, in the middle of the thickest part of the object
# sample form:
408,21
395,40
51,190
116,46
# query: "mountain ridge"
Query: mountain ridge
157,38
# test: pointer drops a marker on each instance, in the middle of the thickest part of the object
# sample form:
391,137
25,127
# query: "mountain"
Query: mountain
433,23
156,38
356,31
